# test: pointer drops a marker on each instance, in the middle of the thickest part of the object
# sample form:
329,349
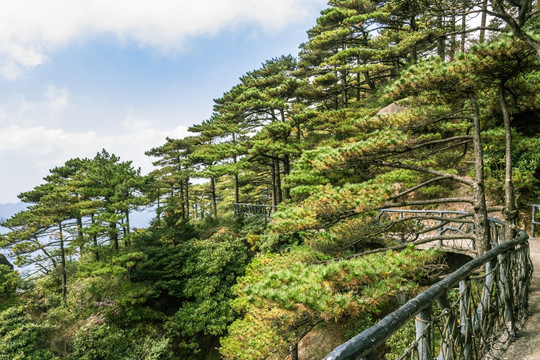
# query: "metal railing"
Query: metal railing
471,314
243,209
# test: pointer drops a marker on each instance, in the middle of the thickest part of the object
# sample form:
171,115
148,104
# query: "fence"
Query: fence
454,230
470,314
243,209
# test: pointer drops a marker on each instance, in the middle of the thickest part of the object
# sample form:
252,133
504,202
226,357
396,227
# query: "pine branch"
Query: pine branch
425,183
457,178
396,247
441,141
428,202
437,120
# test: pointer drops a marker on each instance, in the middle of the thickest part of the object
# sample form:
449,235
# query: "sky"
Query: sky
78,76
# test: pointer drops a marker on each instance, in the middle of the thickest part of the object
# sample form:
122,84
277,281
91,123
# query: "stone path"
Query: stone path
527,344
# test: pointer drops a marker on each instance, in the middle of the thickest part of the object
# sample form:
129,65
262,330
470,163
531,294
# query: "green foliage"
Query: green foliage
365,322
21,338
210,272
9,282
526,160
284,295
400,341
96,341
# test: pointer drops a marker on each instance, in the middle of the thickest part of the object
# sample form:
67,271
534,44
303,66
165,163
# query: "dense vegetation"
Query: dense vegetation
400,103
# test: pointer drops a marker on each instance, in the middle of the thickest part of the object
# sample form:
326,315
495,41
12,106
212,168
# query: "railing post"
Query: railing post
533,220
402,235
423,335
522,292
440,229
505,284
484,307
465,318
450,332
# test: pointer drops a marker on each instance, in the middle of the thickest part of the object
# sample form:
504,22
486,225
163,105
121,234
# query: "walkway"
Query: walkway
527,344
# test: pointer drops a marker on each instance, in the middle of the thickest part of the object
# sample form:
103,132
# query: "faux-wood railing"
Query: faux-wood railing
243,209
471,314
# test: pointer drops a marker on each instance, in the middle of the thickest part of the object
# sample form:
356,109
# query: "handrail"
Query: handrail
445,225
244,209
487,309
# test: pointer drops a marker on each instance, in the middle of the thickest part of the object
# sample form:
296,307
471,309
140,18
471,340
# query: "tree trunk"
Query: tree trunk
158,210
481,222
345,94
463,29
441,51
274,192
94,238
127,235
358,79
63,264
236,189
395,68
113,235
509,212
286,171
369,81
483,22
414,50
182,200
187,197
294,351
80,235
214,201
236,185
278,182
453,36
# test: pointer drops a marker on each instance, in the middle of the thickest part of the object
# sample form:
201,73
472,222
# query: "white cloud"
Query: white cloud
18,108
32,140
28,152
32,29
57,98
132,122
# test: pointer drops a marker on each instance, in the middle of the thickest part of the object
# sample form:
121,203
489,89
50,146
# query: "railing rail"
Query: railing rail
243,209
465,316
437,223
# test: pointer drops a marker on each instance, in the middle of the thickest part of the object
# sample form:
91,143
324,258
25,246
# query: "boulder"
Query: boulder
393,108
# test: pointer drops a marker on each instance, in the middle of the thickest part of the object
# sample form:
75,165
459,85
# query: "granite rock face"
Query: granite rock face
393,108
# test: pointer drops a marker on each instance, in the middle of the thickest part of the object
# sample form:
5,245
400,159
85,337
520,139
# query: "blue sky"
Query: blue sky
122,75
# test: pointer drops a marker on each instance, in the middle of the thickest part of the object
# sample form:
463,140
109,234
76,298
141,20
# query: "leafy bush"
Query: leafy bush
22,338
97,341
9,281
